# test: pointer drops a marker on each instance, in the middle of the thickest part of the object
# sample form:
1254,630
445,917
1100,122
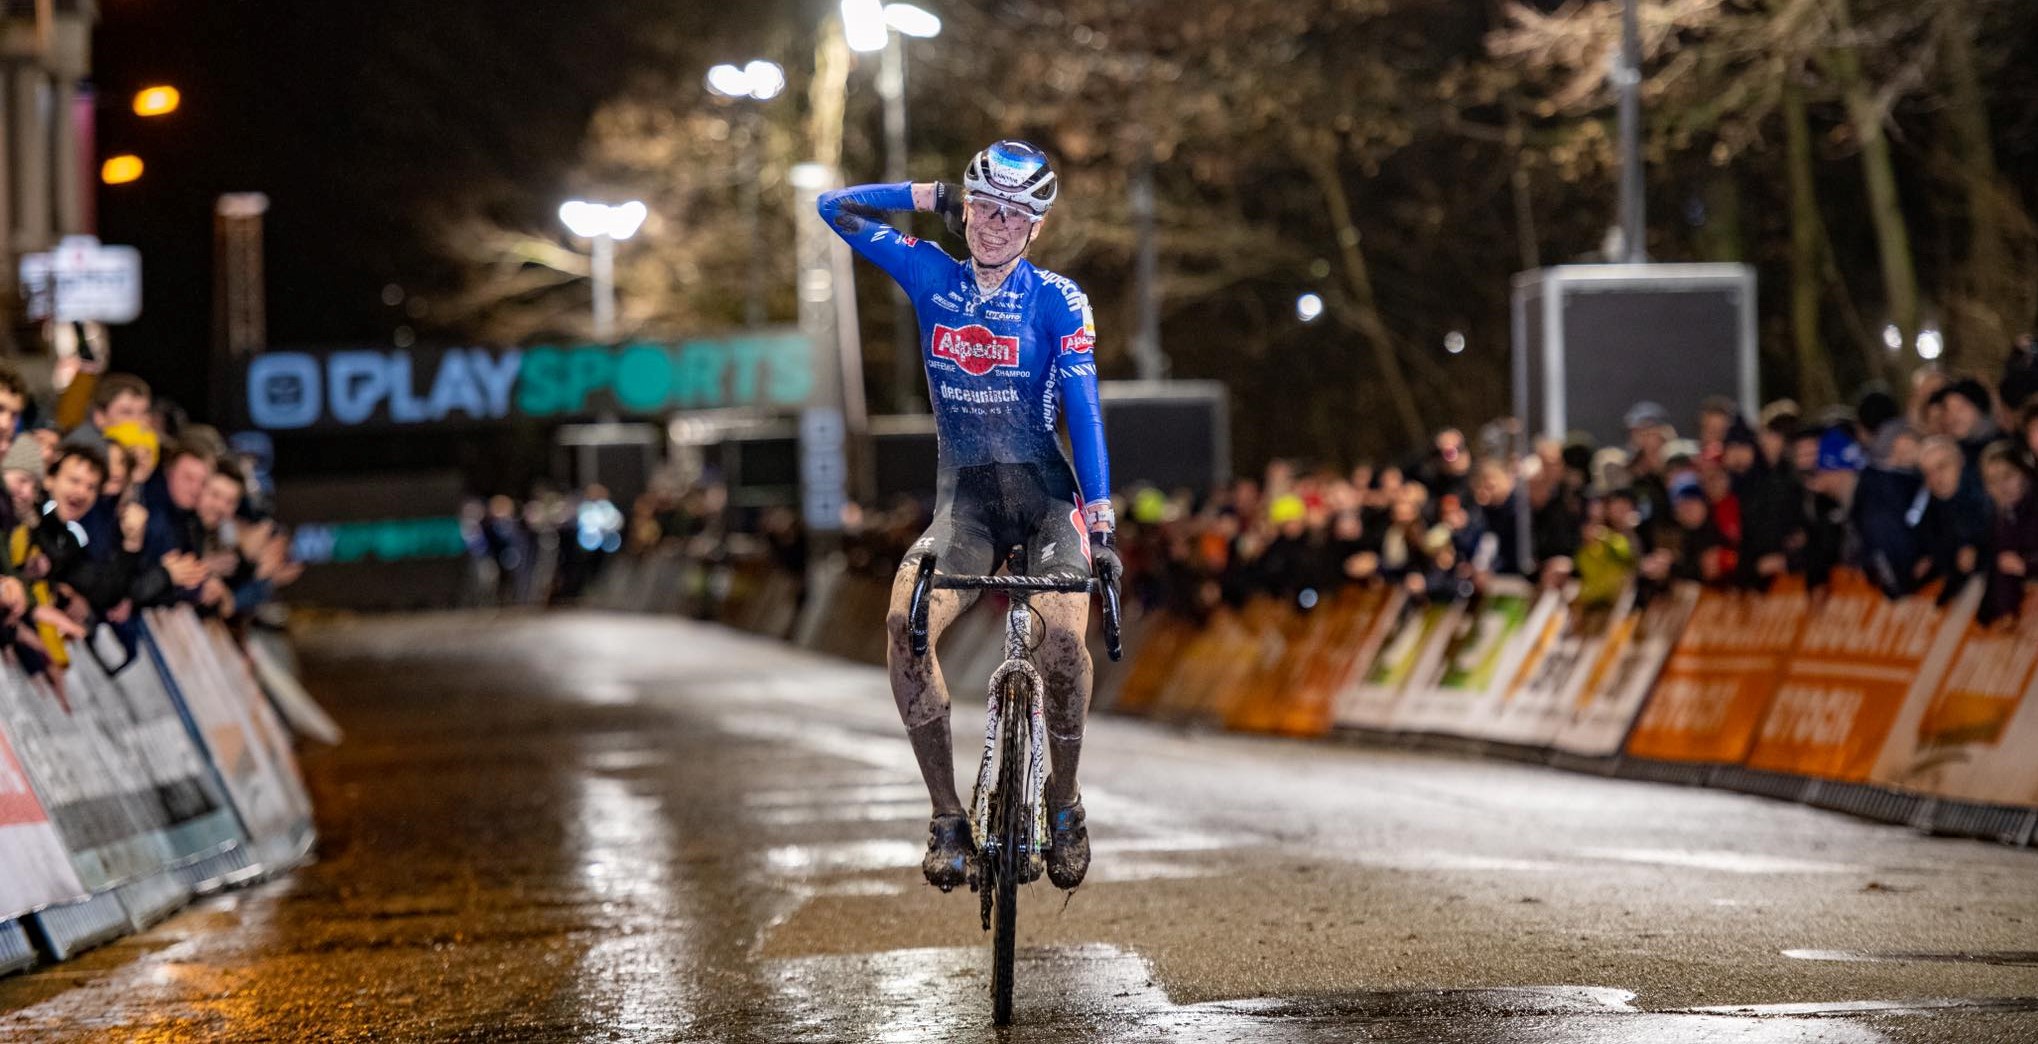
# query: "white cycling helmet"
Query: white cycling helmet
1015,172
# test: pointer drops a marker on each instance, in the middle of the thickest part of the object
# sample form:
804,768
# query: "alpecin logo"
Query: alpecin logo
976,349
1078,343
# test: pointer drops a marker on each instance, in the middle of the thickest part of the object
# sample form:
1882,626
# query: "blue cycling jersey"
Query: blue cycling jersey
1001,366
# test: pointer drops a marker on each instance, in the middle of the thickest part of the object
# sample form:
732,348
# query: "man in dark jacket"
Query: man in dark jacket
1830,538
1954,531
2015,536
175,538
1769,517
1889,499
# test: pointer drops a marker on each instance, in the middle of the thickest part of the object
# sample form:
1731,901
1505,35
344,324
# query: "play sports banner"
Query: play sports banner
1973,736
35,871
1861,659
1728,664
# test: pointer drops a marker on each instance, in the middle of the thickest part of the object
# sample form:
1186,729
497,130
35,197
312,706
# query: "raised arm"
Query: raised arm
857,215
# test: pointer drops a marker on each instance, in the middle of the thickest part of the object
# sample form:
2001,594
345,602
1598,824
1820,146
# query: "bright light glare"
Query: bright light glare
728,81
589,220
1308,308
157,101
1892,338
766,79
863,25
808,176
917,22
119,170
1931,344
1454,342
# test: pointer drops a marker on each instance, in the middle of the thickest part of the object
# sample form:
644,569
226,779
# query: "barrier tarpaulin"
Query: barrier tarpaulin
1558,648
1717,686
1861,658
1974,738
1634,658
252,782
142,719
35,871
103,808
1415,640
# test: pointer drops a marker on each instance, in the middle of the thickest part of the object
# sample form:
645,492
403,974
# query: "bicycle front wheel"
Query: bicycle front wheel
1011,825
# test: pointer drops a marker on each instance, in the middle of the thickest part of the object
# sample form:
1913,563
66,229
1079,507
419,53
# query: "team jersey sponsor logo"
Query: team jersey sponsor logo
1078,343
979,396
976,349
1076,520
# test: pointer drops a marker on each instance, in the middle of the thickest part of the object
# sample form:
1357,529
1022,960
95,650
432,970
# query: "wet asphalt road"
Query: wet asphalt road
607,828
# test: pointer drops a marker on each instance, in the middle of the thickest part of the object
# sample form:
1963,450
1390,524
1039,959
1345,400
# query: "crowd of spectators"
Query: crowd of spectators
1926,493
1922,491
132,508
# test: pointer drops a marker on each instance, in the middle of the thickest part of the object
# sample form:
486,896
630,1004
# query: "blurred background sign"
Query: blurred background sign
83,281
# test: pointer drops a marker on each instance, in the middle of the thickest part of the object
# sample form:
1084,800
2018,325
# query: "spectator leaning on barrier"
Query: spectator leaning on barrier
1830,538
176,539
2015,536
1764,498
101,579
1953,530
1888,499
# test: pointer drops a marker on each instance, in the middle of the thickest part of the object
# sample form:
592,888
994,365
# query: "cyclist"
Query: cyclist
1007,348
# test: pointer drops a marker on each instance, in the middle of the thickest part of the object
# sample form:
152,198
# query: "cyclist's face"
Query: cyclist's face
998,232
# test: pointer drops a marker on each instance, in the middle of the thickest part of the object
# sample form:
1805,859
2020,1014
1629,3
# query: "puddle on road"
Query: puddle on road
2007,958
1099,993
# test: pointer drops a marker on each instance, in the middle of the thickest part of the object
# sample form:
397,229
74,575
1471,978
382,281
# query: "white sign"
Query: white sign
824,473
83,281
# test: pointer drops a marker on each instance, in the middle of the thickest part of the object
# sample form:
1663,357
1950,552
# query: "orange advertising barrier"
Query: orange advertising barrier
1715,690
1320,649
1975,735
1160,652
1857,664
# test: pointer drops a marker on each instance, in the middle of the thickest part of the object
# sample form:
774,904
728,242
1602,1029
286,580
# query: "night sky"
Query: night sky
360,121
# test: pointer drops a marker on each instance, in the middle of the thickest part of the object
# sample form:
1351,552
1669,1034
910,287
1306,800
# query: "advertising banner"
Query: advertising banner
1974,737
252,782
1461,692
34,868
231,666
101,804
1715,691
1629,663
1160,656
1414,643
1287,637
141,719
1861,659
1350,630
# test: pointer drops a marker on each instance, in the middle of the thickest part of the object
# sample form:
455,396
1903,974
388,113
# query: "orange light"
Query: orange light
121,169
157,101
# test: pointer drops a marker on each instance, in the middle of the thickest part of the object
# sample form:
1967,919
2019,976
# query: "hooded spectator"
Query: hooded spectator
1649,437
1954,529
1766,501
2015,535
1885,496
1499,510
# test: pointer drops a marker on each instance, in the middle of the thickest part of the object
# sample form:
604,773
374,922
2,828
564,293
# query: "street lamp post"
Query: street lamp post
603,225
871,25
760,81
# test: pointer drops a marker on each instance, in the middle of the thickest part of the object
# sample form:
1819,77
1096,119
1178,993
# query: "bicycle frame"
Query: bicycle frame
1018,634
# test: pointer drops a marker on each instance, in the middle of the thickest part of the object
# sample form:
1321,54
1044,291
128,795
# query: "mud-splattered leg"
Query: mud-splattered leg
918,687
1064,660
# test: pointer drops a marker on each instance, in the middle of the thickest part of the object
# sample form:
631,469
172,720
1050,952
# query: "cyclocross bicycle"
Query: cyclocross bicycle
1008,817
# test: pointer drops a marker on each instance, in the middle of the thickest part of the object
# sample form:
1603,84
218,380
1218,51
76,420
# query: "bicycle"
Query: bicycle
1008,818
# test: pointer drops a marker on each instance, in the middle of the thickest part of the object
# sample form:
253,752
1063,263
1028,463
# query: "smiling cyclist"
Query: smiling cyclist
1008,348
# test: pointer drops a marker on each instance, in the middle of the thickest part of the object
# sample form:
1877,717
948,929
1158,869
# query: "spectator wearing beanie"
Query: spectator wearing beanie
1884,494
1830,489
1969,419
